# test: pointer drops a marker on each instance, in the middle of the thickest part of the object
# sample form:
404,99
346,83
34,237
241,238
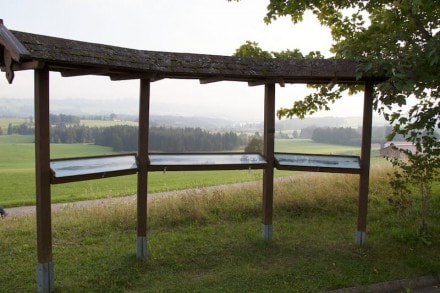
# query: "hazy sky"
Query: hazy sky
194,26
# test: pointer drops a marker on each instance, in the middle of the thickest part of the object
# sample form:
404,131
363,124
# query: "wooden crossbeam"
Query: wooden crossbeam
280,81
83,71
211,79
149,76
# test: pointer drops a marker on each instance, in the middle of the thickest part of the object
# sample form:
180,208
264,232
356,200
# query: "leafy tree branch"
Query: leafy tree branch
399,39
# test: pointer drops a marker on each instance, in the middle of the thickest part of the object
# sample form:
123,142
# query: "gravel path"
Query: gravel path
26,210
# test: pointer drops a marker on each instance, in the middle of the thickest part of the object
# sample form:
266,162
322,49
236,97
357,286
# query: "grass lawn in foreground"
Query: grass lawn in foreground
210,241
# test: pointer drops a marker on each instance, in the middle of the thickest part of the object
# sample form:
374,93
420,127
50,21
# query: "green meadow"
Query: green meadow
4,122
309,147
210,241
17,174
106,123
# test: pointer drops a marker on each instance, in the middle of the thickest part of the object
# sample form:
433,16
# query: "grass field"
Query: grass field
211,242
4,122
106,123
307,146
17,179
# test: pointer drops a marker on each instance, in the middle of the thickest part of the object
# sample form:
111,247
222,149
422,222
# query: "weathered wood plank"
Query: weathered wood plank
58,52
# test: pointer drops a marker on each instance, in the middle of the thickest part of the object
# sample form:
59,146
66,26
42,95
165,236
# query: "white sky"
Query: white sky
192,26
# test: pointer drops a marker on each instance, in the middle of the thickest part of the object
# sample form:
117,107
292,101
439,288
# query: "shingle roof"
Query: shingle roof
72,57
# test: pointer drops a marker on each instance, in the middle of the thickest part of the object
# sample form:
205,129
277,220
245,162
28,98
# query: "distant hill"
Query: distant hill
192,122
354,122
24,108
10,107
16,108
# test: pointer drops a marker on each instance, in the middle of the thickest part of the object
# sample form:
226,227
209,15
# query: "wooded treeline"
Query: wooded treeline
337,135
345,135
67,129
193,139
125,138
167,139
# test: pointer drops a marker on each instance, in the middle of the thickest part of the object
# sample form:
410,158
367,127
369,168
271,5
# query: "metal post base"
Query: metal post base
45,277
360,238
141,247
266,232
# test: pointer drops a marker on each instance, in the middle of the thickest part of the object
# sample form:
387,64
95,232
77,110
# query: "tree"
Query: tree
10,129
113,117
255,145
307,132
251,49
337,135
399,39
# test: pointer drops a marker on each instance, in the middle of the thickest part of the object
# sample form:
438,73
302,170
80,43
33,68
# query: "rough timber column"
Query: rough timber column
269,144
364,181
142,180
45,272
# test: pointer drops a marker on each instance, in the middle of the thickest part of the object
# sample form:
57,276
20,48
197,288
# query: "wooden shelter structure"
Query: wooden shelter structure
42,54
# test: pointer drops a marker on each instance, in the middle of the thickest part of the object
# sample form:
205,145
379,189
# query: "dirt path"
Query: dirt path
26,210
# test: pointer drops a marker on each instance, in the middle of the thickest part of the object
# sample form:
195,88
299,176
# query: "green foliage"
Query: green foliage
400,38
396,39
312,103
412,189
251,49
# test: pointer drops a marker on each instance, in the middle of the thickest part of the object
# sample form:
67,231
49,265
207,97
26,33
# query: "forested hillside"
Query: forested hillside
125,138
109,131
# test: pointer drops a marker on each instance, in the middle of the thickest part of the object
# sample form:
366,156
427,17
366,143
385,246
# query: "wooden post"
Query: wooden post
364,180
142,180
269,144
45,272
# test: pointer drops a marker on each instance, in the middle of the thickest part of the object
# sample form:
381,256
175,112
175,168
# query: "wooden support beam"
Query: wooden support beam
142,180
45,277
26,66
269,145
280,81
10,66
211,79
365,164
127,76
84,71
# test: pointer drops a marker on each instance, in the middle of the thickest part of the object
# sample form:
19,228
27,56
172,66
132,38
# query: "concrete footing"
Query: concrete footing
45,277
360,238
141,247
266,232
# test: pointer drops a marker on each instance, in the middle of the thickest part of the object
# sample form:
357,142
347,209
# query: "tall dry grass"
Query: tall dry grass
207,239
300,193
